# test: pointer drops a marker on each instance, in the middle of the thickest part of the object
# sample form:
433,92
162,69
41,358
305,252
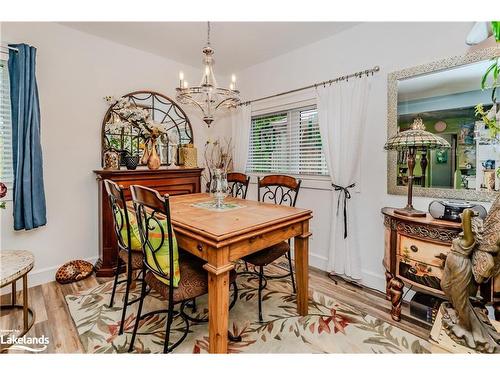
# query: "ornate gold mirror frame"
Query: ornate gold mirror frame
392,129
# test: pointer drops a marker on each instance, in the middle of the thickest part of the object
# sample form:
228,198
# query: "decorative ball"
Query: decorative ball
74,270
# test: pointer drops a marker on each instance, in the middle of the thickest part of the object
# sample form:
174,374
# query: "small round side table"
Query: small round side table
14,265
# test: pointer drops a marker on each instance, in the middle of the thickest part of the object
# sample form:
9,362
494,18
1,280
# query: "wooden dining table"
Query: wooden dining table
221,237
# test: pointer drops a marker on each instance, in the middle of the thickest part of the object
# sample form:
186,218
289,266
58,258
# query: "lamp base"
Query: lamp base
410,211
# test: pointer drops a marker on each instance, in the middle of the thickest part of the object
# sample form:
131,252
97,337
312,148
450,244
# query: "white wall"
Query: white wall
392,46
75,71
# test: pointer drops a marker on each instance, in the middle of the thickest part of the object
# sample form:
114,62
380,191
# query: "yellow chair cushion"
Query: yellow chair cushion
162,254
135,239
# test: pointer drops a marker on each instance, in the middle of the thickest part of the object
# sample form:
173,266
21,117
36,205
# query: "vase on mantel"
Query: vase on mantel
154,161
145,154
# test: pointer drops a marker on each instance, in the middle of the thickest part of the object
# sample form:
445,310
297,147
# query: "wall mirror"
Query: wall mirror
129,140
444,94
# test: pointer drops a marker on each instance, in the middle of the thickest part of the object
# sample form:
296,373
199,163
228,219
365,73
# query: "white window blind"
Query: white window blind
287,142
6,174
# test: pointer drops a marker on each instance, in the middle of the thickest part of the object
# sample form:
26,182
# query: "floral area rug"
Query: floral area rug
330,327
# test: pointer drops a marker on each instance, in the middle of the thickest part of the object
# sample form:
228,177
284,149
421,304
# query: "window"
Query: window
6,175
287,142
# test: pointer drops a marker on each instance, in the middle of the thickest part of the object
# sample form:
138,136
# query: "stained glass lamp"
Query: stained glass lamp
411,140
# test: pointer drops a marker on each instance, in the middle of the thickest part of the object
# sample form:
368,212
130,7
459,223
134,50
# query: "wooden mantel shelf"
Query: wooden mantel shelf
173,181
145,171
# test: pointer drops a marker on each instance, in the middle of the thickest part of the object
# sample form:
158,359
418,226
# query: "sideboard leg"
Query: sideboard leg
496,307
396,287
388,278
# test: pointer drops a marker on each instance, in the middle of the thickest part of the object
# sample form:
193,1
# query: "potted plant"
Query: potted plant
491,118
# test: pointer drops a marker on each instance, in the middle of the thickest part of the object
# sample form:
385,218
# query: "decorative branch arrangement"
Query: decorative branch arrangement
130,114
218,154
126,114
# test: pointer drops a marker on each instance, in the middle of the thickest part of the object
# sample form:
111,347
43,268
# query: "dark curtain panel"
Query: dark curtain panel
28,194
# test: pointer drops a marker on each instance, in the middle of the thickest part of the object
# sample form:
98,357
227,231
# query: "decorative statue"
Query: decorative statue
474,258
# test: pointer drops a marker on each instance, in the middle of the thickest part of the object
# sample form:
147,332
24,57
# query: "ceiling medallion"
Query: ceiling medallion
208,97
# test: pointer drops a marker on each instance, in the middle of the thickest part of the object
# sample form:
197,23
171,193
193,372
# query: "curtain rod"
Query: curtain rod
329,82
6,51
9,47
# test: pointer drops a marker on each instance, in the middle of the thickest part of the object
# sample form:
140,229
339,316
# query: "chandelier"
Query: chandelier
208,97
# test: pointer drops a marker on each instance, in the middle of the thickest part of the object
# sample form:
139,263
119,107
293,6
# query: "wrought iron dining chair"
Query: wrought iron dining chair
153,214
126,255
283,190
238,184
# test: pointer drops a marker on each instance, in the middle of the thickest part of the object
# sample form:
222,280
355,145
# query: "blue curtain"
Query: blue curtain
28,193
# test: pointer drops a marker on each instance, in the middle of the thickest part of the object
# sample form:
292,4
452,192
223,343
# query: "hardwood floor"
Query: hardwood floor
54,320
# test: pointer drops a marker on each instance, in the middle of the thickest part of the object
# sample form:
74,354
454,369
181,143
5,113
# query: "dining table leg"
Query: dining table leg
301,252
218,308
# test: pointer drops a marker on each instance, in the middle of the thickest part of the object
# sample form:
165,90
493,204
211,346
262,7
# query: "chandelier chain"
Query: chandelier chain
208,33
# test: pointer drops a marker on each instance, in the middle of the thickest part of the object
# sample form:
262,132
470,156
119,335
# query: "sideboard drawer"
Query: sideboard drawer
419,273
429,253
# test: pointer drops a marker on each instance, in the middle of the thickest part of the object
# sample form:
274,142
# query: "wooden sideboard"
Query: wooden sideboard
174,181
415,253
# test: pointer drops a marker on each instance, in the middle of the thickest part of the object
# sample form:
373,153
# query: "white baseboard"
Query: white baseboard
377,281
373,280
41,276
369,278
318,261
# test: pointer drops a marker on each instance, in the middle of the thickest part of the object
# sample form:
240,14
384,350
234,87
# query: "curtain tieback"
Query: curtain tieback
347,195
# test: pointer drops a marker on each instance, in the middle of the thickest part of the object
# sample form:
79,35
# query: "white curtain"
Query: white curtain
342,117
240,131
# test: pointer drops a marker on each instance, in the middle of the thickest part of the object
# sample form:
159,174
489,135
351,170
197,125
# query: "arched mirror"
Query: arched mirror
130,140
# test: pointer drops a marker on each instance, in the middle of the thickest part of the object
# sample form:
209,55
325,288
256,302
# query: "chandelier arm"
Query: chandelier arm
191,100
224,101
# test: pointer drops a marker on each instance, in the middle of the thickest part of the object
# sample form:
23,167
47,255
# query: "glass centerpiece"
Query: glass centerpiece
219,187
218,160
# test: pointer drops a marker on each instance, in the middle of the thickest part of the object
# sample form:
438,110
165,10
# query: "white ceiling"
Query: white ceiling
461,79
237,45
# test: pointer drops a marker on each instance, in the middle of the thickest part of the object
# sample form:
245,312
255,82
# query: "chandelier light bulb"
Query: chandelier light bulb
231,86
233,78
181,75
186,84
